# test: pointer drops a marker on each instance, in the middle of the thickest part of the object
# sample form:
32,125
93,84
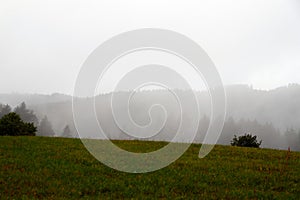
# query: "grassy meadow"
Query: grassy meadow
61,168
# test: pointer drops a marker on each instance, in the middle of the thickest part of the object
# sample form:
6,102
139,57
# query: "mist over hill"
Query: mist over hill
267,114
14,99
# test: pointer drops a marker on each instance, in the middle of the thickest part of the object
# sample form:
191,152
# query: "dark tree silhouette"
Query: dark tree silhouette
45,128
26,114
4,110
12,125
67,132
246,140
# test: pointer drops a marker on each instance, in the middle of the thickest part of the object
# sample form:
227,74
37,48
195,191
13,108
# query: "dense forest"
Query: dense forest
274,116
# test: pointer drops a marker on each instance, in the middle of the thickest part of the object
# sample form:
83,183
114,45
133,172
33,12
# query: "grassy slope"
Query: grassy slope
62,168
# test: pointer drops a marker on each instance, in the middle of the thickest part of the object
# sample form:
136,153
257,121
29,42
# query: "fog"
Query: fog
43,44
254,45
267,114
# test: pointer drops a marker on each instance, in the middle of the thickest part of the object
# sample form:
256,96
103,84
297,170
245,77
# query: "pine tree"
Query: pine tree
26,114
67,132
12,125
4,110
45,128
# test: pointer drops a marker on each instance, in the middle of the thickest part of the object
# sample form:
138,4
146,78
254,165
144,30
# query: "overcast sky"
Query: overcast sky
44,43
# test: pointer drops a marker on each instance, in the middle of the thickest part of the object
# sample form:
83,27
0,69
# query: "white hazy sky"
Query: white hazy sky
44,43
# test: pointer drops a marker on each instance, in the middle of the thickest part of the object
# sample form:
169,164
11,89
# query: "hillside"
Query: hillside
267,114
279,106
15,99
57,168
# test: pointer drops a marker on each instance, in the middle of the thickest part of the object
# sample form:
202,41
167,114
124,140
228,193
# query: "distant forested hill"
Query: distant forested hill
14,99
265,113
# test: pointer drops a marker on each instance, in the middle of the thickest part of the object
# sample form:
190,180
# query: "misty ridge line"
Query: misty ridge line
237,97
61,95
268,114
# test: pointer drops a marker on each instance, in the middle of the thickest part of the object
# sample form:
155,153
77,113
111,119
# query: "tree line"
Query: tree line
23,121
270,136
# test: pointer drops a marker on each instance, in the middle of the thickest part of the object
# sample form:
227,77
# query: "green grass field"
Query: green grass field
58,168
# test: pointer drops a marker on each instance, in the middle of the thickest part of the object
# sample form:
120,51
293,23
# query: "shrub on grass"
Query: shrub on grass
12,125
246,140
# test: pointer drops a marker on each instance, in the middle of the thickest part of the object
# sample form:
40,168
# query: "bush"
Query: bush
12,125
246,140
